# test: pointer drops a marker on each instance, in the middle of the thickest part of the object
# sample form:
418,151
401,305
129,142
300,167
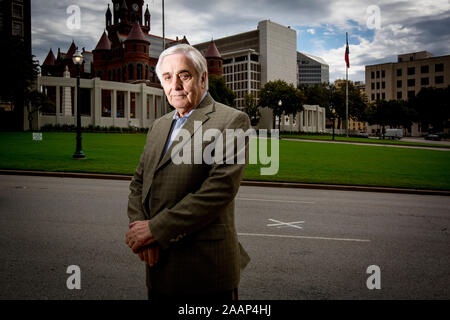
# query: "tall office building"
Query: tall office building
312,69
252,58
15,32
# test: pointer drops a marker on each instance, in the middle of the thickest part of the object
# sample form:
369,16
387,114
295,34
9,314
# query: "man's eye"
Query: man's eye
185,76
166,77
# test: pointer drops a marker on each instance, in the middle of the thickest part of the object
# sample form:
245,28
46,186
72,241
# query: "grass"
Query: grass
363,140
300,161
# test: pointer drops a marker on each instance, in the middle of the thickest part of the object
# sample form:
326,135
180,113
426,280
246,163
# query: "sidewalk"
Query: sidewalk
369,144
243,183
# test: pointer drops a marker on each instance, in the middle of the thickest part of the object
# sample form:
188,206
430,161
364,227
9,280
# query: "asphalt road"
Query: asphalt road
48,224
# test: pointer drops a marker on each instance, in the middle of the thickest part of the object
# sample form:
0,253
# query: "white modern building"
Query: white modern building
105,103
252,58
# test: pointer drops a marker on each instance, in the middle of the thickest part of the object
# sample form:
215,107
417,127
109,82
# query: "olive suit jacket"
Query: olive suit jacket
191,206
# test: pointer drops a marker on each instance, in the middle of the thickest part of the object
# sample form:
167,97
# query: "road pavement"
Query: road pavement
304,244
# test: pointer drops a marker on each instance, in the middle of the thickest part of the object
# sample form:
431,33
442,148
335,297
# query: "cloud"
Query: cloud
405,25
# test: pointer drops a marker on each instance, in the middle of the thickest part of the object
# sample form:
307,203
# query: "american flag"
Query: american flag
347,52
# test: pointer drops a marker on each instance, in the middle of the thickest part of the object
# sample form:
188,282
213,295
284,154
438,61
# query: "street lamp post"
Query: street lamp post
78,60
280,104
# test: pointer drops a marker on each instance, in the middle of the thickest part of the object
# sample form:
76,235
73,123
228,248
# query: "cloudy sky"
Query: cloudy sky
378,30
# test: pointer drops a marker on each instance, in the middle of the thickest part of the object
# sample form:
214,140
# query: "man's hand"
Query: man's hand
149,255
139,235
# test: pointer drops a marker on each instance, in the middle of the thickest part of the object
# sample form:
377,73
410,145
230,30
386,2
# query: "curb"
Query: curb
434,147
243,183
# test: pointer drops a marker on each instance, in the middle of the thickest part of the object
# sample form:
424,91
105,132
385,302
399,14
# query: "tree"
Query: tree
432,107
291,98
251,108
19,72
219,90
356,103
37,102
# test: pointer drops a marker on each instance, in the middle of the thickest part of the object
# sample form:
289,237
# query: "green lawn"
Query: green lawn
300,161
363,140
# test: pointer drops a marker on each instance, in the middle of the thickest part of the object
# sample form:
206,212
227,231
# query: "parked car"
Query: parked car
433,136
363,134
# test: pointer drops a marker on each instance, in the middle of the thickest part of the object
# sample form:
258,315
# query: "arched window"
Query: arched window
146,72
124,74
139,72
152,74
118,75
130,72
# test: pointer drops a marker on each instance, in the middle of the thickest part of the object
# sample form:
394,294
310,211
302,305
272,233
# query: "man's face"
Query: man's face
181,83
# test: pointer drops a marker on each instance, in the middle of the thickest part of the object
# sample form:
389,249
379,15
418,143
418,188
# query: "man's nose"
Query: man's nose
176,83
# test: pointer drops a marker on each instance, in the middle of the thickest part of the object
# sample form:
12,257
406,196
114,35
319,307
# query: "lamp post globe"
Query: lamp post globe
77,59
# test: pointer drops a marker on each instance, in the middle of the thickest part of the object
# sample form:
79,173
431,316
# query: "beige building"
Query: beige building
406,77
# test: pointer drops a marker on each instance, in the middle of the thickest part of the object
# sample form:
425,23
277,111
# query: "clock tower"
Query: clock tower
125,14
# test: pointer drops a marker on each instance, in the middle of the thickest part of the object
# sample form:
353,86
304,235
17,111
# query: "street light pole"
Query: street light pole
78,60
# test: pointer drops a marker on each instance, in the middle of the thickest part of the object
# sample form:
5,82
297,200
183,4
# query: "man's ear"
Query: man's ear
203,80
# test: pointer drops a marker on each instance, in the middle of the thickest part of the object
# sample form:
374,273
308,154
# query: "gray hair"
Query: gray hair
189,51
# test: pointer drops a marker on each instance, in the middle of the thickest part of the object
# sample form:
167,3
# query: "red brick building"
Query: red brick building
125,52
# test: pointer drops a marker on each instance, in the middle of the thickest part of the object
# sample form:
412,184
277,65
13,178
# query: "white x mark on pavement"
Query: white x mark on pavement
285,224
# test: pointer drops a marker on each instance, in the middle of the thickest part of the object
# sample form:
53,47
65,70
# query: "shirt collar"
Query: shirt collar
175,115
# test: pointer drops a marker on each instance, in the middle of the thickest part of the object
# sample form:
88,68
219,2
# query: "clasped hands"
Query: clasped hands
140,239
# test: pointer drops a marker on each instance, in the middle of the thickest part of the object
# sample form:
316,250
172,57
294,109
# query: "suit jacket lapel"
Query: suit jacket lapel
199,114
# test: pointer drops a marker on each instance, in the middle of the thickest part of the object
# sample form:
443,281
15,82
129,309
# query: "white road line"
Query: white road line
300,237
275,200
285,224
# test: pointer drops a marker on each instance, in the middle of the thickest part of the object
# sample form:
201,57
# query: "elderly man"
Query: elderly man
182,215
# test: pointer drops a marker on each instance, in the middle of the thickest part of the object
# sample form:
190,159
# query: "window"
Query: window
17,29
411,71
383,96
145,49
383,85
424,81
372,86
399,83
378,74
130,72
399,72
17,11
139,72
411,94
439,79
378,85
424,69
383,73
399,95
372,75
411,82
439,67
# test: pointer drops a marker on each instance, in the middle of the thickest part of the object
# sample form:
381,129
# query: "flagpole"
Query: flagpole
346,91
